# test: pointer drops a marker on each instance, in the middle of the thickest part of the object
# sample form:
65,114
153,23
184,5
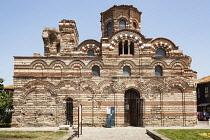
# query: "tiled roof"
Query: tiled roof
204,79
9,87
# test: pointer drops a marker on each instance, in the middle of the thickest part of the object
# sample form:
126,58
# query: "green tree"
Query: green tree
5,104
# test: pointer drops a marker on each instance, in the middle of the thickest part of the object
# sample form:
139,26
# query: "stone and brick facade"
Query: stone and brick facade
148,81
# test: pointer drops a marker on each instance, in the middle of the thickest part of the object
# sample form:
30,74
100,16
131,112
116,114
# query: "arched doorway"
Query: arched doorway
69,111
133,108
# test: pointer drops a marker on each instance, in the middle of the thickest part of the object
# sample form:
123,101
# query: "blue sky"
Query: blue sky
185,22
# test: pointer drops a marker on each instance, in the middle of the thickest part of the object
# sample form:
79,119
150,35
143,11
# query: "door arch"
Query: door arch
69,111
133,108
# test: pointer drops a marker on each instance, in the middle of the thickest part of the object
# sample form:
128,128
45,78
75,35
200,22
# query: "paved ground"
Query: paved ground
117,133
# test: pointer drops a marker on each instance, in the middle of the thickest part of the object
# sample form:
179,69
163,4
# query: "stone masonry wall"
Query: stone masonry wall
98,80
40,102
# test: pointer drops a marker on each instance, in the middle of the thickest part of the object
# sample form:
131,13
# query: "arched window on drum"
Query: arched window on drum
122,24
109,29
134,26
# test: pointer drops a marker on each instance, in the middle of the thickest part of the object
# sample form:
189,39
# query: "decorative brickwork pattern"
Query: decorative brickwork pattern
140,96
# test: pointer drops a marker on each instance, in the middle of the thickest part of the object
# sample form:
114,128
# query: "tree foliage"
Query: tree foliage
5,104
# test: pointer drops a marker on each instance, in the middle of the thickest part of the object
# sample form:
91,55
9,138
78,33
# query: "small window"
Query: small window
126,71
158,71
90,53
134,26
95,71
160,53
198,93
206,90
58,48
109,29
122,24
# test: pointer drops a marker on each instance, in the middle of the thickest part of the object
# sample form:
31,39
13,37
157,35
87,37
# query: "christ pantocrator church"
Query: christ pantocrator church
148,81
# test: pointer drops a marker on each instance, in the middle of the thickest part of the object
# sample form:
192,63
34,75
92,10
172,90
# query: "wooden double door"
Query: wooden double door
133,108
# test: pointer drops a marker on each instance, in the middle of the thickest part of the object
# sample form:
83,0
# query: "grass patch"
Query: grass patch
34,135
5,124
185,134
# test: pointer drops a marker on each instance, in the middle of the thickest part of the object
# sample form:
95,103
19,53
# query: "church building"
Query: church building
147,81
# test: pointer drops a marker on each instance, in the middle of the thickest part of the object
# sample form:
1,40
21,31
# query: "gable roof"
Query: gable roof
204,79
9,87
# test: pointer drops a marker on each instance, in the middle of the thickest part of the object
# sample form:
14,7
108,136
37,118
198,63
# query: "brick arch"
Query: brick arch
89,89
108,20
89,83
178,83
69,96
177,64
122,17
163,64
176,86
97,63
158,83
163,43
67,82
32,85
104,83
125,34
136,22
131,84
89,47
38,62
58,62
127,63
90,44
174,62
78,63
133,88
116,35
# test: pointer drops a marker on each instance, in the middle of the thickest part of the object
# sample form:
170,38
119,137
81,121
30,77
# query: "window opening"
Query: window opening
134,25
95,71
158,71
198,93
132,48
58,48
206,92
126,48
122,24
109,29
90,53
126,71
160,53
